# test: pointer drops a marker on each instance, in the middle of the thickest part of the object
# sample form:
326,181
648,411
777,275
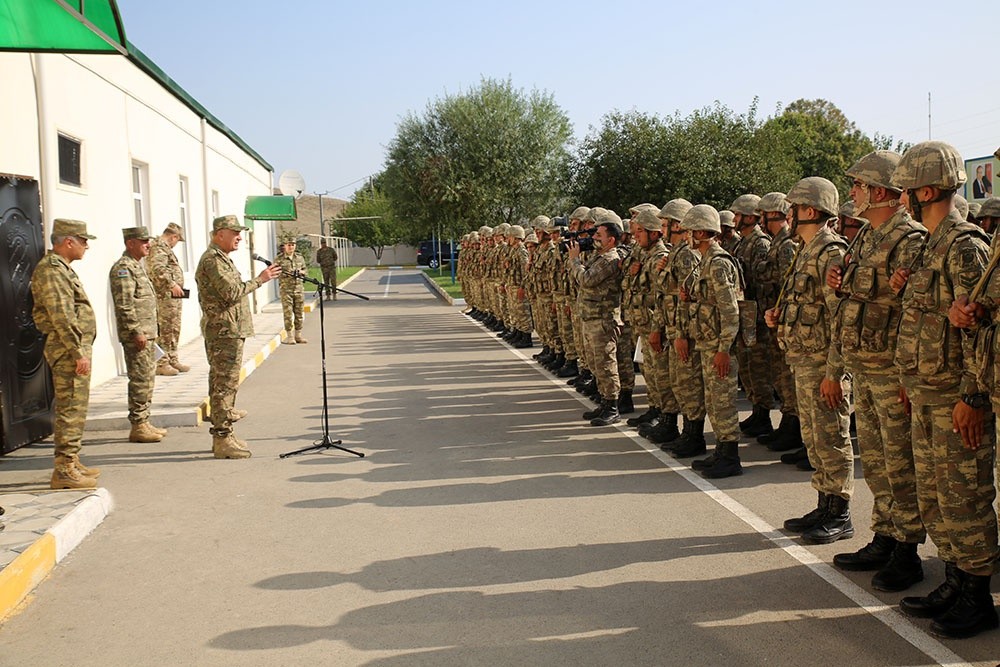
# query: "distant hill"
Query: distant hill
307,207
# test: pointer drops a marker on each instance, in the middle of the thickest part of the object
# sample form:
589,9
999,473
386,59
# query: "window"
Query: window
69,161
140,185
215,205
184,220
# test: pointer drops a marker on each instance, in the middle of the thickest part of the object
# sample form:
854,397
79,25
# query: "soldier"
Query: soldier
804,320
135,315
974,208
63,313
520,307
865,330
600,305
225,324
848,224
293,266
561,302
729,239
548,266
953,445
988,217
327,258
168,280
571,325
714,324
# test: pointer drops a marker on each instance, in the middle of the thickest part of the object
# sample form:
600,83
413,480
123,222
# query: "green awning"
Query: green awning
277,207
66,26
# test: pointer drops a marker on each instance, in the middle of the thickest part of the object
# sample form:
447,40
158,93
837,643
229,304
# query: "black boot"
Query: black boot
727,463
902,571
568,370
665,432
973,611
708,461
939,600
646,417
557,363
587,386
751,420
579,379
609,413
547,356
790,439
792,458
693,444
592,392
625,404
644,429
591,414
804,463
523,340
872,556
782,426
804,523
539,355
836,525
762,425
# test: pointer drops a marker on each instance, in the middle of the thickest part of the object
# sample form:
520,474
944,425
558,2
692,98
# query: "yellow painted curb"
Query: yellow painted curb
25,572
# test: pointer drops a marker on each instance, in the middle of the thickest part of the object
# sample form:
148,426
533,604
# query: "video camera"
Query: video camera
585,242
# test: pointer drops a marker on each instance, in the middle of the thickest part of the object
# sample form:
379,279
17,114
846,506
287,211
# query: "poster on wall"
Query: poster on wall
981,172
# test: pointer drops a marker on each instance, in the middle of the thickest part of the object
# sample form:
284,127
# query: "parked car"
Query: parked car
427,256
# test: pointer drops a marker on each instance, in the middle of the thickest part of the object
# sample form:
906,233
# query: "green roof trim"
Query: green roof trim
275,207
64,26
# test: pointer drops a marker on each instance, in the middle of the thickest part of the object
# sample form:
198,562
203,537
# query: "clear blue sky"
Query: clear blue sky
344,73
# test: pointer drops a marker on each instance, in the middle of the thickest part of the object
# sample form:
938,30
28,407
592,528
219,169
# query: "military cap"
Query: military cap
531,238
228,222
640,207
817,192
989,209
728,219
930,163
876,168
962,204
174,228
64,227
580,213
138,233
675,209
847,211
702,217
286,237
516,231
745,204
974,207
772,202
648,219
540,222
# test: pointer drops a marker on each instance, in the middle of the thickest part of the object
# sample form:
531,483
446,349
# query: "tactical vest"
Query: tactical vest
771,273
929,347
744,255
671,282
643,299
704,322
868,318
804,323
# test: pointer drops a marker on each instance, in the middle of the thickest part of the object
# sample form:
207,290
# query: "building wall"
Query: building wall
123,116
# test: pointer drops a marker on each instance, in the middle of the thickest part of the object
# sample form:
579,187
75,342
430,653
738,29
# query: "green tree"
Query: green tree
379,226
491,155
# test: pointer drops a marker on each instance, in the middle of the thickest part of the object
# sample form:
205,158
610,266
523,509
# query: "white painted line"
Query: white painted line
893,619
388,279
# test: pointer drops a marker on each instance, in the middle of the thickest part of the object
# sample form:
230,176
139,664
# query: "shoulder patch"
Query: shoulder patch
123,273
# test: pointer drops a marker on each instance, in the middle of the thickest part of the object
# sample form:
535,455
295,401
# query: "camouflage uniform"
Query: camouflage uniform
135,315
165,271
563,303
685,376
776,265
625,351
327,258
291,290
600,306
754,361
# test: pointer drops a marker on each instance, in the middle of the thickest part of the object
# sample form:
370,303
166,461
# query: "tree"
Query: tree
382,227
494,154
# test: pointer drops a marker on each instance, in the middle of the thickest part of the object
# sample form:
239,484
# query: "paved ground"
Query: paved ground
485,526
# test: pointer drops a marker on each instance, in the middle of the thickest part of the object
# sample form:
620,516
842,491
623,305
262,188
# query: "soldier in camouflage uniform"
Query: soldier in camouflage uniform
517,297
729,239
165,271
549,267
953,441
988,216
586,383
62,312
804,319
327,258
714,323
225,324
290,287
866,329
135,315
561,300
848,222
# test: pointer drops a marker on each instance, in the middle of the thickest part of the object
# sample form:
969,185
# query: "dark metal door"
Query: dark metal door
25,382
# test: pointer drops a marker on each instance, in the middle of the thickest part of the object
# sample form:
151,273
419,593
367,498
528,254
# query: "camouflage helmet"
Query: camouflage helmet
703,217
930,163
485,231
772,202
962,204
675,209
974,207
474,237
817,192
648,219
531,238
540,222
502,228
728,219
847,211
606,216
579,213
745,204
640,207
989,209
286,237
516,231
876,169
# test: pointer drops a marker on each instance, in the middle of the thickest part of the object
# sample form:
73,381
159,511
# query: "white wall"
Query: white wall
122,115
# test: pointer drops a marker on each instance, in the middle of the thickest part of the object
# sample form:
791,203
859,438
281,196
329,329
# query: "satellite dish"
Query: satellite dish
291,183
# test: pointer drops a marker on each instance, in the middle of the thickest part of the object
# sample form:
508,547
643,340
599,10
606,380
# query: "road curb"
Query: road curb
440,291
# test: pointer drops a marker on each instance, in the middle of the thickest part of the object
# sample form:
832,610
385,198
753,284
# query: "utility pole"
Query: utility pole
322,227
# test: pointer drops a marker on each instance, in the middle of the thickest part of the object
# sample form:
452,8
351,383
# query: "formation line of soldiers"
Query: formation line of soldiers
892,299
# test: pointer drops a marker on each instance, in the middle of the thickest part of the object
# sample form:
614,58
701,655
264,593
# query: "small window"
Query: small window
69,161
215,205
140,205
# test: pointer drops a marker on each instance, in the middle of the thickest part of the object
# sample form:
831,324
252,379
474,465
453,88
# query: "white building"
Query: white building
116,143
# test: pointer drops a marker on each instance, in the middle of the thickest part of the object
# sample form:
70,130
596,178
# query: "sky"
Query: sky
320,86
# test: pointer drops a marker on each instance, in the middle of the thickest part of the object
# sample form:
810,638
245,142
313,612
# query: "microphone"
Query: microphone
261,259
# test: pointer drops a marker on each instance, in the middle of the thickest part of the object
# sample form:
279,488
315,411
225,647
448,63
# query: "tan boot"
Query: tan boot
182,368
166,369
87,472
228,447
67,476
236,414
143,432
299,338
162,432
289,340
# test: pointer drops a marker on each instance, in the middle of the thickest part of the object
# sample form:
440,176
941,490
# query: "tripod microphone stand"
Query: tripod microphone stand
326,442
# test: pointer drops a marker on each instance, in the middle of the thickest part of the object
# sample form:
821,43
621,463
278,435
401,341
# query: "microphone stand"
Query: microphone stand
326,442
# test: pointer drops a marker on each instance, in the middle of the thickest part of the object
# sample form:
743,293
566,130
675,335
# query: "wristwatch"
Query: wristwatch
979,401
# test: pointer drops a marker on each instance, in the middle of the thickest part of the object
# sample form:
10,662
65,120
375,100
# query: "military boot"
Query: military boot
973,611
569,369
727,462
872,556
836,524
707,462
85,471
694,442
782,426
544,352
156,429
557,363
181,368
751,419
939,600
646,417
803,523
298,337
790,439
805,464
588,387
143,432
167,370
793,457
523,340
289,339
591,414
66,475
902,570
608,415
235,414
761,425
693,429
625,404
228,447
